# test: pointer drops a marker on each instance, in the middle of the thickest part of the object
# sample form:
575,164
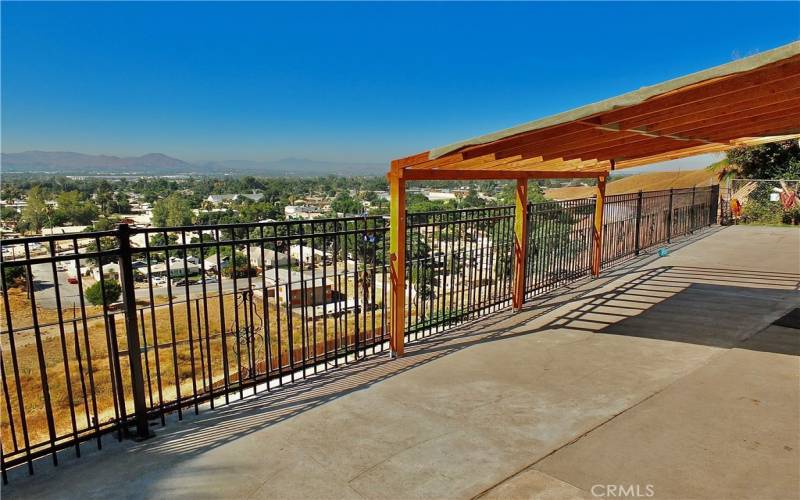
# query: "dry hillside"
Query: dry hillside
650,181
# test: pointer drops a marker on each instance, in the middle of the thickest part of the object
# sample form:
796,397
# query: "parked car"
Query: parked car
72,280
185,282
208,281
159,281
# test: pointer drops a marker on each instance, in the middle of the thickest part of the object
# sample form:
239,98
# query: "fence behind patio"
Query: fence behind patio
215,313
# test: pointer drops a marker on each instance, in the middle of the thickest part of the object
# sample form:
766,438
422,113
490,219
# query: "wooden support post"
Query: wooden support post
597,233
638,246
520,243
397,256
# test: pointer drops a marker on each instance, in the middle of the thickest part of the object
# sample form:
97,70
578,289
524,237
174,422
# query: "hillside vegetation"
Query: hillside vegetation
649,181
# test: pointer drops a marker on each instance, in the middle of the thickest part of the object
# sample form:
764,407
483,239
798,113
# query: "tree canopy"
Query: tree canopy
778,160
174,210
96,296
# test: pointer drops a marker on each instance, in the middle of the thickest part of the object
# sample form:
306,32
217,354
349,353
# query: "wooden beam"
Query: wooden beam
557,147
438,162
597,230
730,128
412,160
673,155
556,131
785,126
704,90
448,175
539,141
719,115
646,147
520,242
479,164
397,262
745,98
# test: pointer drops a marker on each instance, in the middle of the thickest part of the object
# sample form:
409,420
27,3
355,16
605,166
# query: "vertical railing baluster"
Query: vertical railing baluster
132,331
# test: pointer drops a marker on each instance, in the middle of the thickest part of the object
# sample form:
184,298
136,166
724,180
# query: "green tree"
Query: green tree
173,210
104,196
778,160
417,247
346,204
121,203
416,203
106,243
241,269
74,209
8,213
104,224
36,213
96,296
158,240
472,200
424,280
508,193
12,276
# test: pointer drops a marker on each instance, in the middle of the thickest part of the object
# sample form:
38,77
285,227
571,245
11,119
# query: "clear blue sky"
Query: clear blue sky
340,81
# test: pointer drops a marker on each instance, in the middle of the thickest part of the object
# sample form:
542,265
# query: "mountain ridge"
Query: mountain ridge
69,162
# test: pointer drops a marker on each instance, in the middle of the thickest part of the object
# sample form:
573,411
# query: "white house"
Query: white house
177,268
306,255
227,198
269,259
72,268
210,263
440,195
302,212
110,272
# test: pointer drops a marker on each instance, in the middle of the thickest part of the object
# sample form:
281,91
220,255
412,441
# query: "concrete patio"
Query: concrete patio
666,375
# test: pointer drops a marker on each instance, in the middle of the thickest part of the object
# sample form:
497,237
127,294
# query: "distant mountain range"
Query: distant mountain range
69,163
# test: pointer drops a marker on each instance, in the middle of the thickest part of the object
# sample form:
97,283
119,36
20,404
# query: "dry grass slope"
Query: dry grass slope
650,181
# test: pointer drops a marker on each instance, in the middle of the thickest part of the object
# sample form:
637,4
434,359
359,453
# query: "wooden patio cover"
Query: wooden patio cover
749,101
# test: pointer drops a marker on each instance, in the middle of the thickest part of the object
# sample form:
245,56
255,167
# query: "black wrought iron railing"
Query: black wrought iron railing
107,332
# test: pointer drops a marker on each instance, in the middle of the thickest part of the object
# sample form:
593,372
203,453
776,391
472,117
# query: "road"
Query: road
69,296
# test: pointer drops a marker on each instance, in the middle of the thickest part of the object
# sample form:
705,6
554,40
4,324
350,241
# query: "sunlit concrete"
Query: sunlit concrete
664,373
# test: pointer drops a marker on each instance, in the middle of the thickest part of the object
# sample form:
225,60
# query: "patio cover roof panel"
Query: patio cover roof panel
749,101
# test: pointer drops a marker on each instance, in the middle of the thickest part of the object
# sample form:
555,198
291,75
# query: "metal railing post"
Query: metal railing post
714,205
132,331
638,221
693,212
669,217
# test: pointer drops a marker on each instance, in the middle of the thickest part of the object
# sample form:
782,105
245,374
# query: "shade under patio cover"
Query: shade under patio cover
749,101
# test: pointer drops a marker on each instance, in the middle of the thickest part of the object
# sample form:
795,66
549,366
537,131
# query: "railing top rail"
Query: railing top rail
240,225
58,237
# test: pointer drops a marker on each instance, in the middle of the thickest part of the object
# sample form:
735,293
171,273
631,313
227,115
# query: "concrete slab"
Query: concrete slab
534,484
728,430
506,406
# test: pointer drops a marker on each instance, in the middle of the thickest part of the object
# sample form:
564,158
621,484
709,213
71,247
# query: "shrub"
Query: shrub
762,212
242,270
12,275
94,294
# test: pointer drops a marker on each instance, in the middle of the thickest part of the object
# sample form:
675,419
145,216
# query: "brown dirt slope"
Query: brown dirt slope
650,181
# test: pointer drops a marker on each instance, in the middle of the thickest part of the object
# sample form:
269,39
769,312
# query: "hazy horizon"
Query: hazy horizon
334,81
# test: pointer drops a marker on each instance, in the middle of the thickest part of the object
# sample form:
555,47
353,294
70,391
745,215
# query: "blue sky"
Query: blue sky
340,81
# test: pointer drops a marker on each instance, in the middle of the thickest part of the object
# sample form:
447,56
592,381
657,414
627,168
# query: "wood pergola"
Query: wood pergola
749,101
